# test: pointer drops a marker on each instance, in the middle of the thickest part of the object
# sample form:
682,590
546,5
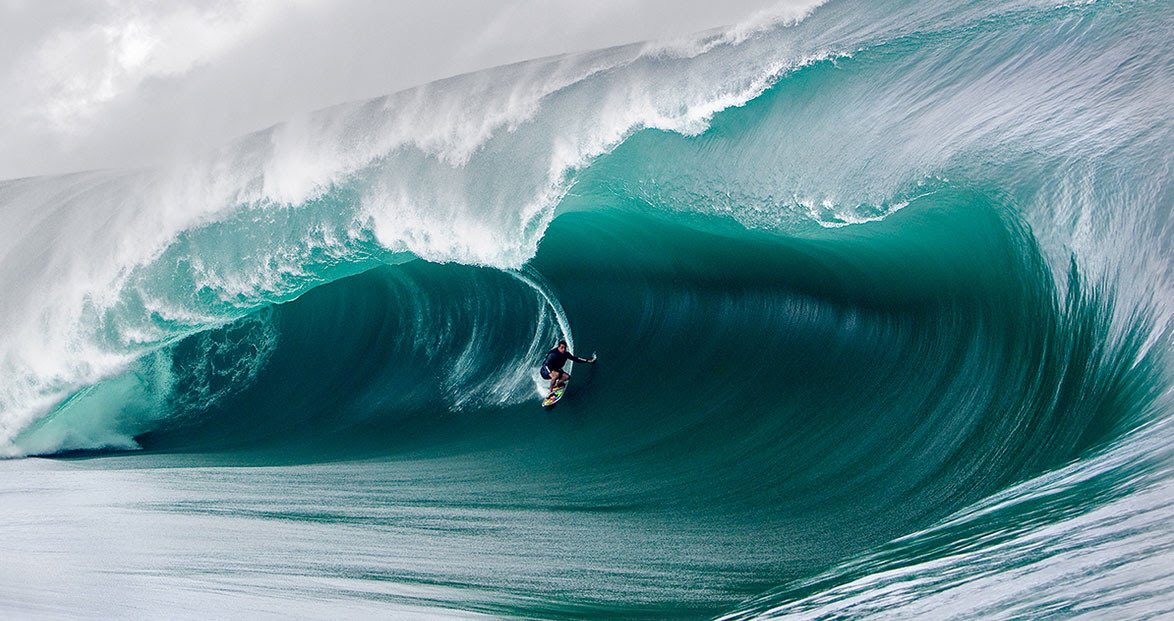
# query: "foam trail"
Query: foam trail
535,281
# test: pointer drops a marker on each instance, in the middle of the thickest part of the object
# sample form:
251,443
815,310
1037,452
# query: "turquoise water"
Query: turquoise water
881,299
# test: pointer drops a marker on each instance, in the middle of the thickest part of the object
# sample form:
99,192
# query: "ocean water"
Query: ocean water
881,295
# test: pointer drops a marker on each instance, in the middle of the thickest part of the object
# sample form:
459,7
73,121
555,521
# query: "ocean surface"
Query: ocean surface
881,295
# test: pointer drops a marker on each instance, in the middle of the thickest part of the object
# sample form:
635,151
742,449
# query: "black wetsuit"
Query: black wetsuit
555,360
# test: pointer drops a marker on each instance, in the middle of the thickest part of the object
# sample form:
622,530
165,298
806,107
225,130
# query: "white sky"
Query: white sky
98,84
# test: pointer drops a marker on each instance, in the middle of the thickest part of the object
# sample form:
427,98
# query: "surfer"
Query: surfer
552,366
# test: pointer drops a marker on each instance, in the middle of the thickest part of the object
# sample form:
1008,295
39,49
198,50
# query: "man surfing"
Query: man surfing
552,366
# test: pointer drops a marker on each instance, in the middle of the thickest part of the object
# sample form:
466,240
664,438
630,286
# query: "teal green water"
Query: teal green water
891,339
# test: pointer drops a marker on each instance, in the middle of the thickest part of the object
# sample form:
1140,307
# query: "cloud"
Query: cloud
130,82
77,70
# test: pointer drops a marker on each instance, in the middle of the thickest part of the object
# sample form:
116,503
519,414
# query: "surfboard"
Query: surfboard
554,397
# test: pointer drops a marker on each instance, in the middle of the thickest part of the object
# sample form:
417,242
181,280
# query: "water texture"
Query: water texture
881,295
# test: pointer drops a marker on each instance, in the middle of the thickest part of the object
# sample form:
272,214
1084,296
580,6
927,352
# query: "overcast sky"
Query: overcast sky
91,84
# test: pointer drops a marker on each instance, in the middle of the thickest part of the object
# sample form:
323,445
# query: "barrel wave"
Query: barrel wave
881,296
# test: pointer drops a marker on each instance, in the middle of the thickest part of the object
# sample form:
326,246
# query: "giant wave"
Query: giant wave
882,304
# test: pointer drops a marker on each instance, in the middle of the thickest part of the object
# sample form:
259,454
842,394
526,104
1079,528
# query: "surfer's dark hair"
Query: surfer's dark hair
562,342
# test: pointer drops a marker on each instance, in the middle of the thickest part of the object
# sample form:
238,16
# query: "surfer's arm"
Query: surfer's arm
578,359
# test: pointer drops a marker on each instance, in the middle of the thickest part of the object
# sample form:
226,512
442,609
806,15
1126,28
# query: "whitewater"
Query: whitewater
881,293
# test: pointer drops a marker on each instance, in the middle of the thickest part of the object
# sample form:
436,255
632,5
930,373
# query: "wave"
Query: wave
919,381
867,291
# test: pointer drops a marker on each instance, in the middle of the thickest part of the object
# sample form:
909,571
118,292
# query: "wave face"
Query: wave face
881,295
